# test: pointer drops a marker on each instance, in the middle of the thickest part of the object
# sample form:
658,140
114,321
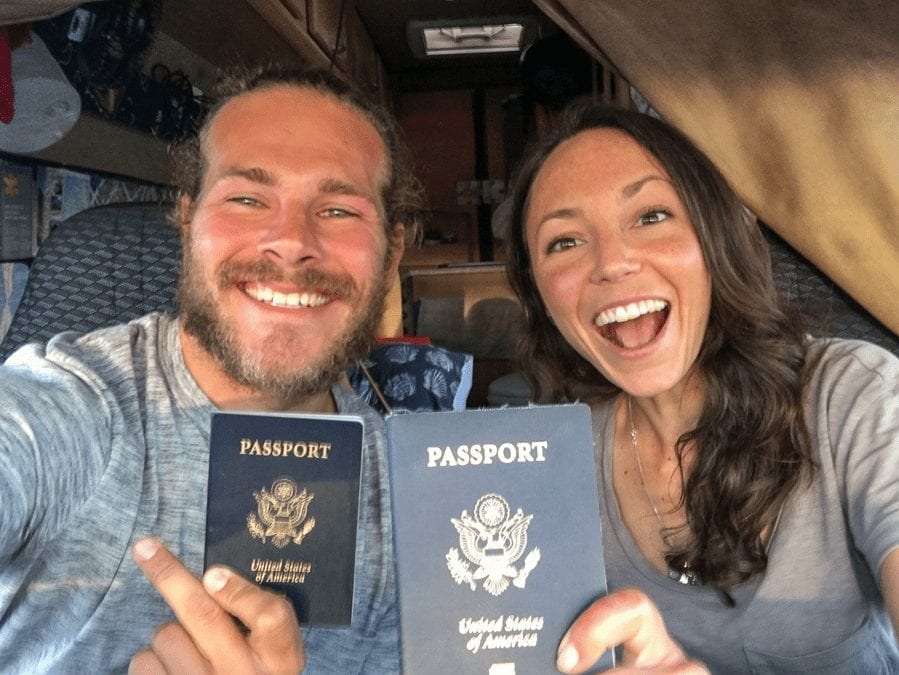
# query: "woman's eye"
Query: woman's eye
654,216
562,244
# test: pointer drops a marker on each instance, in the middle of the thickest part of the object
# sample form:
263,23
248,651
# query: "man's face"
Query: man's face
285,251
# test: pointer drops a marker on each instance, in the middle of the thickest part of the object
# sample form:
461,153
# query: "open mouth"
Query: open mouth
633,325
293,300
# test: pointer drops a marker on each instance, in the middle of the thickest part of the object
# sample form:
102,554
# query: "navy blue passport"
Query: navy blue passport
497,533
283,506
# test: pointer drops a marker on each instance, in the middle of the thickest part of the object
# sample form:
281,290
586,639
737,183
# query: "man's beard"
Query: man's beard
287,380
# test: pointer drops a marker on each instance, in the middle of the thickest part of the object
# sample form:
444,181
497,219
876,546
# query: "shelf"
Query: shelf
198,37
99,145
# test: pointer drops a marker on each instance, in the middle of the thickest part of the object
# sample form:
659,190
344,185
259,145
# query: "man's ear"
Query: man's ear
392,321
185,212
396,245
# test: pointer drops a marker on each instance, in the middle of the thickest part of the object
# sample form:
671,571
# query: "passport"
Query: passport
283,506
497,535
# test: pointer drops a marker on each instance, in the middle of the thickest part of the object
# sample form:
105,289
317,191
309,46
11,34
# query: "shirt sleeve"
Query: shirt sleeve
52,426
859,398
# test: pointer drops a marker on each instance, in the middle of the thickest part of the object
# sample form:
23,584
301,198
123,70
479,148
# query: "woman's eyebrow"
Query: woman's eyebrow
631,189
562,213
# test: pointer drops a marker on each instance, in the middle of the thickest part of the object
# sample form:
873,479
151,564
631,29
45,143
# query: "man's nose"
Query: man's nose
293,238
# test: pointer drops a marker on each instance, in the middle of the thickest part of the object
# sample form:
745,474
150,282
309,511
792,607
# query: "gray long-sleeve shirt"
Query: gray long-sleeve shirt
103,439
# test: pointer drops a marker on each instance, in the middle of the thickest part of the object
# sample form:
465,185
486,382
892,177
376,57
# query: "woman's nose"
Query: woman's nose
614,258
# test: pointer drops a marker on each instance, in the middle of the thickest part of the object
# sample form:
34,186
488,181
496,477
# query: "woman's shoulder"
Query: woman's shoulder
853,383
842,358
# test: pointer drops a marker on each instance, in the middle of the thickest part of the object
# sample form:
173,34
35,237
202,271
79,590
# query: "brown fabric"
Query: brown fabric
20,11
796,102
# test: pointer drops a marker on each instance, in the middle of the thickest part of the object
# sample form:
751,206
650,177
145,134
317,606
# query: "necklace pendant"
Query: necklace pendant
685,576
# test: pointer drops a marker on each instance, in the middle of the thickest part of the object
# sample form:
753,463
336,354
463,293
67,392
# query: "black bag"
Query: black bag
100,47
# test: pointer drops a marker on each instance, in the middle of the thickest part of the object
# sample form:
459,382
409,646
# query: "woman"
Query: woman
750,474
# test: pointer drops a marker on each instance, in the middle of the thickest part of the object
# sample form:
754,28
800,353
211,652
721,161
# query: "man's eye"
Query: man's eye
654,216
337,212
244,200
561,244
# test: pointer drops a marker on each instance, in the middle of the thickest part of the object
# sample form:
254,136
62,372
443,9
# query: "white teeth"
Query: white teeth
629,312
278,299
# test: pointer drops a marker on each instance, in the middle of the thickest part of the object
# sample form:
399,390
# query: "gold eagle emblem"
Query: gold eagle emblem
281,514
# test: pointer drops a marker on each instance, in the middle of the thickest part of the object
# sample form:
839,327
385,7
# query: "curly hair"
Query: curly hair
752,446
402,194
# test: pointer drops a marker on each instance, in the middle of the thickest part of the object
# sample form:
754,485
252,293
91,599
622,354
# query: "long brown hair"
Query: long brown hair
752,446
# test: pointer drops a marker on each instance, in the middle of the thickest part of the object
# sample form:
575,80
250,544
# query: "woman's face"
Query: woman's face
617,261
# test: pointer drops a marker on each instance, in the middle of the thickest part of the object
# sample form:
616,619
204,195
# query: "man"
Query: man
292,209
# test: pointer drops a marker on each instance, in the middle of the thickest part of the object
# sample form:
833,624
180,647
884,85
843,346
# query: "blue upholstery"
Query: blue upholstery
826,308
103,266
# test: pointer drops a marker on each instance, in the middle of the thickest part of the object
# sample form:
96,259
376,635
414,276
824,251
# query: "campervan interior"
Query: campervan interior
796,102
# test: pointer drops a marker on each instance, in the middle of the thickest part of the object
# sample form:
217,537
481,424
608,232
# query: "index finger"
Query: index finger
274,632
628,618
211,627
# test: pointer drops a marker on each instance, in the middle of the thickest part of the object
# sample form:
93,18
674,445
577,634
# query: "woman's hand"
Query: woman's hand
627,618
206,637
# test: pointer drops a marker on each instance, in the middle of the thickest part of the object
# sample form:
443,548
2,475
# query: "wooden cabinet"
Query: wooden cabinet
225,33
327,25
364,65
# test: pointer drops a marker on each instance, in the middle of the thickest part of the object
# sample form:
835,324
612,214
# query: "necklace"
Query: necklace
685,575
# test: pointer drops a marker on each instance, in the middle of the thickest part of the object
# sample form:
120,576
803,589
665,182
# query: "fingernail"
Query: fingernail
215,579
146,548
567,657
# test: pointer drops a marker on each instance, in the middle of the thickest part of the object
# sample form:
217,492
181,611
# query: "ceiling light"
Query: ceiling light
429,39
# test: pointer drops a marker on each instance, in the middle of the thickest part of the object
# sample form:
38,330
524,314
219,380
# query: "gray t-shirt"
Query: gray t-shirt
104,439
817,608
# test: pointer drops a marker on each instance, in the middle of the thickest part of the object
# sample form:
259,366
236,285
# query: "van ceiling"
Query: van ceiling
387,22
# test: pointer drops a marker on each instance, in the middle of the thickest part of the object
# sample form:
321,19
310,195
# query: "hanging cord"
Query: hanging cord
336,50
374,386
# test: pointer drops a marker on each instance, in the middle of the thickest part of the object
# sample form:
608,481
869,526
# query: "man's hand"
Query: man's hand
627,618
206,638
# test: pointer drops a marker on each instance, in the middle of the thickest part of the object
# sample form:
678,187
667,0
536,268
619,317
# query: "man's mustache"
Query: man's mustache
305,279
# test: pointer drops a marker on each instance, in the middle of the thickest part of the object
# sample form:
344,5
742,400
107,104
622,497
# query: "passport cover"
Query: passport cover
497,534
283,506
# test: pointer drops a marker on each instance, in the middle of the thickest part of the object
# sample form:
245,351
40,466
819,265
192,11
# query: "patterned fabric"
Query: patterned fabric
103,266
414,377
825,307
